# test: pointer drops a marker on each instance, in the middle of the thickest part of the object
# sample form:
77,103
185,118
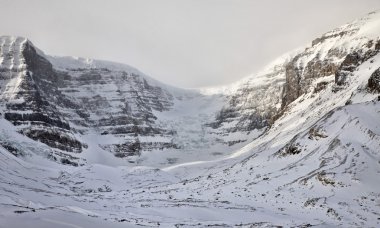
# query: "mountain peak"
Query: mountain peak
11,48
295,145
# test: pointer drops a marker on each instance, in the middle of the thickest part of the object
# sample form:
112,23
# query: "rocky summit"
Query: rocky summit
91,143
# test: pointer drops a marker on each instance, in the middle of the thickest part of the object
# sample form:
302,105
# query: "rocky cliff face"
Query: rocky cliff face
76,105
53,105
30,97
338,52
115,102
256,103
61,101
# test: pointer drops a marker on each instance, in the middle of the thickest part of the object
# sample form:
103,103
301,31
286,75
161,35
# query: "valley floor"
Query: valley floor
259,185
317,165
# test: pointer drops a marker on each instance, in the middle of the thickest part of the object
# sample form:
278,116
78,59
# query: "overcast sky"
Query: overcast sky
186,43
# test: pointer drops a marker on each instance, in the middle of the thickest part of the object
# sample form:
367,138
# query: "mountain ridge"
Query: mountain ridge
298,146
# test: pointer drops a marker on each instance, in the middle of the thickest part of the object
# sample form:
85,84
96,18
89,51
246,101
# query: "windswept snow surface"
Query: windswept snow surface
317,165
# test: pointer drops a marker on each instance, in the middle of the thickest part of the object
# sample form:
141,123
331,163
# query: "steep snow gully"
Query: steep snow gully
90,143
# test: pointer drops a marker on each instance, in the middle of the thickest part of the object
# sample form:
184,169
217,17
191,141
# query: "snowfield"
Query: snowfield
317,163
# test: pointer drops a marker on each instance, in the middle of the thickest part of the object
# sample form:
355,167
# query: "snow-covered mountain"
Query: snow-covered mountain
93,143
77,105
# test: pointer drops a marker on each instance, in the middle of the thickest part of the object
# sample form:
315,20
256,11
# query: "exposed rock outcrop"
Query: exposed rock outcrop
51,105
256,102
30,95
374,81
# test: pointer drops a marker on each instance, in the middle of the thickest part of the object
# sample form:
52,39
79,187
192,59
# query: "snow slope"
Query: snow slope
316,163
